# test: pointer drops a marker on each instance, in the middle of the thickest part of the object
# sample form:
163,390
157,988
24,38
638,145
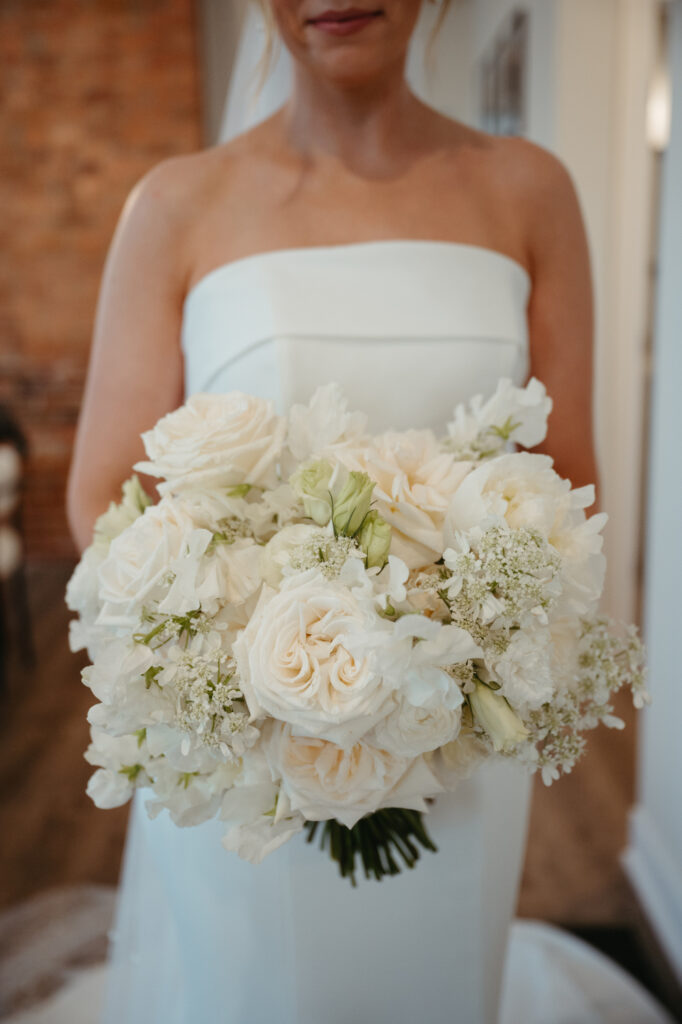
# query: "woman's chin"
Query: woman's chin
350,66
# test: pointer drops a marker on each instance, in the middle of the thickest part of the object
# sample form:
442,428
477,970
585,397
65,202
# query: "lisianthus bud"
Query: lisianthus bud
375,539
119,516
494,714
311,483
352,504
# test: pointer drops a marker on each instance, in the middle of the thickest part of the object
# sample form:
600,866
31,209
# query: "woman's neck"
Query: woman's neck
369,127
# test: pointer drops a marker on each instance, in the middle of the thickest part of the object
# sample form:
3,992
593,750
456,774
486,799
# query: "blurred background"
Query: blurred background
95,92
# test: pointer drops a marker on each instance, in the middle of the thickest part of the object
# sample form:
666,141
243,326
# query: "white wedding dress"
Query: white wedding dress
408,328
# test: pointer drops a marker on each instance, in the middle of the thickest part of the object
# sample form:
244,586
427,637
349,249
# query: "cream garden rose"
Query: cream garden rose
323,780
215,441
415,480
295,664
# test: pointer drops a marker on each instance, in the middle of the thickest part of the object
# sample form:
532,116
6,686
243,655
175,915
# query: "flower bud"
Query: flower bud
352,504
375,539
493,713
311,483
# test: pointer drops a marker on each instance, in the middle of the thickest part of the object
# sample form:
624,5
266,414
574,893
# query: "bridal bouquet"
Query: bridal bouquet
319,629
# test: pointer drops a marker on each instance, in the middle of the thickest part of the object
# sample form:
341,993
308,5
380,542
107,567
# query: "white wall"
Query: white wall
654,858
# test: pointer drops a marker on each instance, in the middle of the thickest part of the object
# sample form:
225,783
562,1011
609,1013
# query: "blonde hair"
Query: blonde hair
272,38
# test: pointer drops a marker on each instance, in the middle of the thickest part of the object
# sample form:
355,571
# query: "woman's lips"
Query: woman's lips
344,22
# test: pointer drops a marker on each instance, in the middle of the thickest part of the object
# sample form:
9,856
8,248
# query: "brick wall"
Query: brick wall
92,93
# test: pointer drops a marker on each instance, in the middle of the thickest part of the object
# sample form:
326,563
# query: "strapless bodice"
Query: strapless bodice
408,328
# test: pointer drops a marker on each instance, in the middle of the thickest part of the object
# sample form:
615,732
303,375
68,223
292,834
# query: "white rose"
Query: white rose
216,441
415,480
409,731
140,558
323,781
295,664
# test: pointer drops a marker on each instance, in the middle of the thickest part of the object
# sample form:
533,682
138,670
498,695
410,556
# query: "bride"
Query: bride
355,235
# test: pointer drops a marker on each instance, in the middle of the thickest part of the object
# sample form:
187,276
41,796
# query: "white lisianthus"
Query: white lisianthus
312,483
140,559
415,480
323,780
497,719
215,441
483,427
295,662
324,425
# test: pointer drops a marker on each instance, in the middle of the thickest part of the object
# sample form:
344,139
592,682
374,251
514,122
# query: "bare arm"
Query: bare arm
561,318
135,374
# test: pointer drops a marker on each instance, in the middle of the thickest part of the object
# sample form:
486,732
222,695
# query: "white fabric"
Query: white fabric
408,328
551,978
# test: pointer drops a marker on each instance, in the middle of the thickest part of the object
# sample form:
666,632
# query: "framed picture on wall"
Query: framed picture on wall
503,87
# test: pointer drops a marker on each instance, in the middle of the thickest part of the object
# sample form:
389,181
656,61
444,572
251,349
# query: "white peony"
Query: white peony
215,441
415,480
139,559
323,781
295,664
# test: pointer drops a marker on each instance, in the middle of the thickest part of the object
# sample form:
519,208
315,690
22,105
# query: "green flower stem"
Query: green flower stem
382,842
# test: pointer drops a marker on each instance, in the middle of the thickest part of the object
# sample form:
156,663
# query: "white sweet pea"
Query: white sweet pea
222,440
483,427
322,780
133,502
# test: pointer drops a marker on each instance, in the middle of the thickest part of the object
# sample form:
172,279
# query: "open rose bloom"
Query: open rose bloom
315,625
